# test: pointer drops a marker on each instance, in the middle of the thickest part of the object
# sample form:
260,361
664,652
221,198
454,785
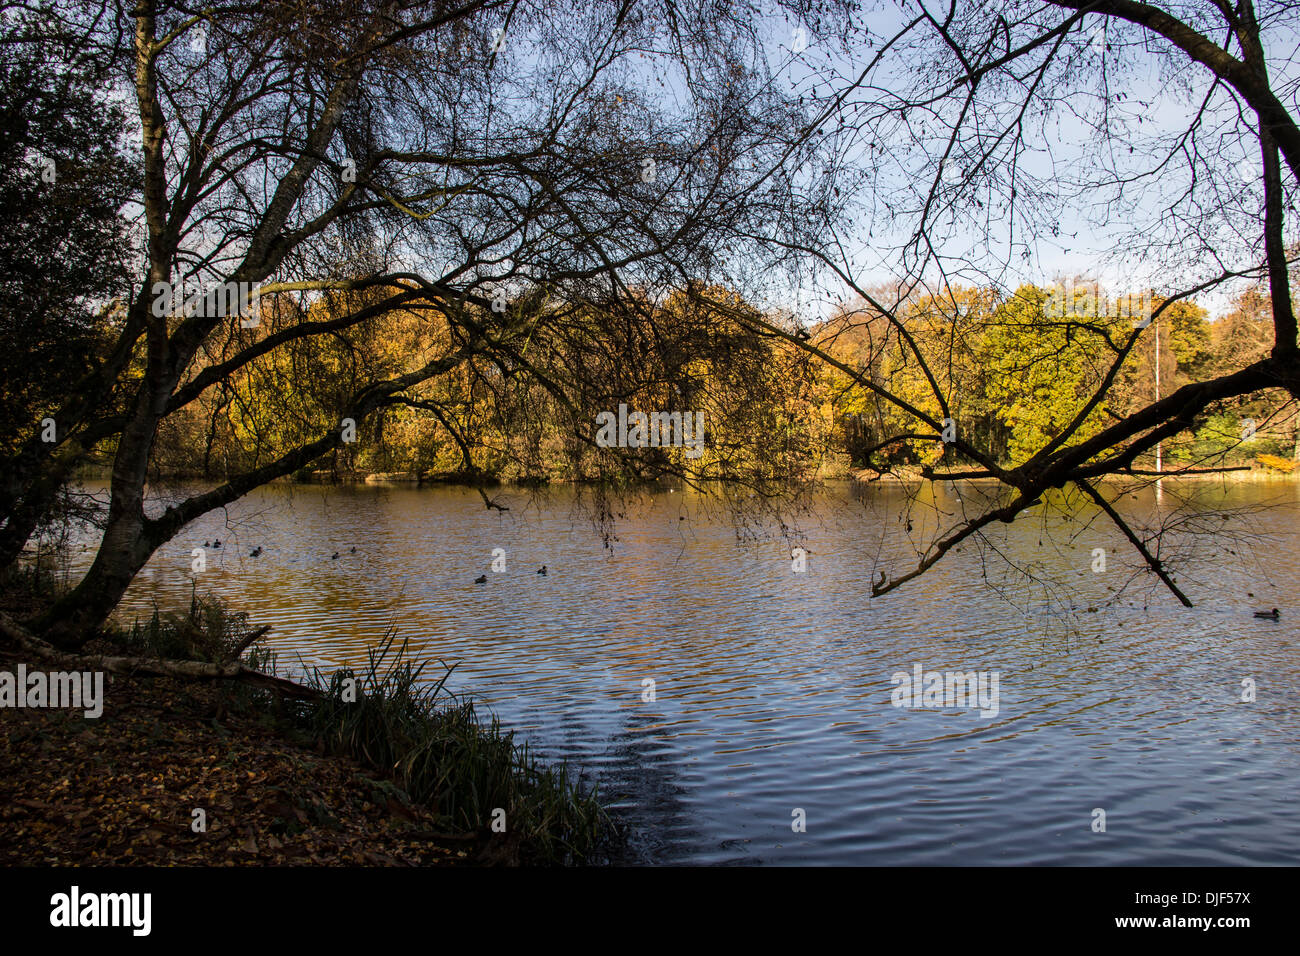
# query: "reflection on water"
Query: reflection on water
772,689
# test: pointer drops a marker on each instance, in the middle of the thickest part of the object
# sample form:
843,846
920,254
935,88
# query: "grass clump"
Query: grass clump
209,631
443,755
392,716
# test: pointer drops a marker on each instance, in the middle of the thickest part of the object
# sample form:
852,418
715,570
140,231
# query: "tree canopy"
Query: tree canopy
450,235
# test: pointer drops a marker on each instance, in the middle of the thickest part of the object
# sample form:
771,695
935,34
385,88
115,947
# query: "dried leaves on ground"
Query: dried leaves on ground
123,790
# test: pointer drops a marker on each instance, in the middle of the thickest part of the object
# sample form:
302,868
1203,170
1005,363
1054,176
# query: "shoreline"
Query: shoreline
1245,472
165,778
372,770
1246,475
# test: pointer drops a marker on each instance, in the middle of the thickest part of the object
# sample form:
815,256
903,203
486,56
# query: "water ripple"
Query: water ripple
772,690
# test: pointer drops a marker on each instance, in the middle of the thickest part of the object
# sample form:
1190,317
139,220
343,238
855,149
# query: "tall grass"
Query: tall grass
396,718
207,632
443,755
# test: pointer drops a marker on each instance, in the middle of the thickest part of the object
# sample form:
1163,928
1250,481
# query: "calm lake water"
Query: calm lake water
773,688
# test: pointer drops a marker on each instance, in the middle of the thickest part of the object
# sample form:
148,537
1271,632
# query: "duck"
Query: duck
353,550
256,552
1272,615
542,569
334,556
206,545
481,579
217,543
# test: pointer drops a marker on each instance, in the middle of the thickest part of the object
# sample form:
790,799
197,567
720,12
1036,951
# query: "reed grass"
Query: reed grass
442,753
396,717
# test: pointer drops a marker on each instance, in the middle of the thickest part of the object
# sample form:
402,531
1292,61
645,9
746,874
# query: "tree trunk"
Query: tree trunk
26,511
17,532
126,546
76,617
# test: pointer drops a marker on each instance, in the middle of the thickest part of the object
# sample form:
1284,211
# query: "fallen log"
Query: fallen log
160,667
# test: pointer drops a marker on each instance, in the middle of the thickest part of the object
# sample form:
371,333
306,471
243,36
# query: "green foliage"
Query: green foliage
1043,369
63,185
1222,437
1018,370
208,631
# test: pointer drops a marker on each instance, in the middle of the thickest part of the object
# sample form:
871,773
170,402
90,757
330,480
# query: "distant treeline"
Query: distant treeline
1016,369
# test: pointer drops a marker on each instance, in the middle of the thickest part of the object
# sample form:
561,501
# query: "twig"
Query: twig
1151,559
247,642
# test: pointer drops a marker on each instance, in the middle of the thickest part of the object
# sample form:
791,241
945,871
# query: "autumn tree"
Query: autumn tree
64,188
471,162
997,132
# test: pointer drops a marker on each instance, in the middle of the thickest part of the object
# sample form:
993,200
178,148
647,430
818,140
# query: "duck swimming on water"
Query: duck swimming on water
481,579
542,569
1272,615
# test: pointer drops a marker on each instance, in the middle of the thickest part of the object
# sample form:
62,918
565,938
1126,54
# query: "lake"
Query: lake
772,688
